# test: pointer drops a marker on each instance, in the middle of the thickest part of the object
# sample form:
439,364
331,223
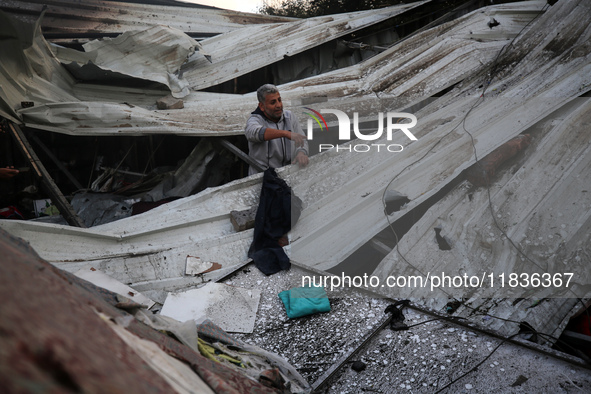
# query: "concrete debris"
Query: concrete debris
243,220
169,102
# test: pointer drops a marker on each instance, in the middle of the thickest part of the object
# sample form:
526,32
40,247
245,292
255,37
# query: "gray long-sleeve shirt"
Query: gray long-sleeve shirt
273,153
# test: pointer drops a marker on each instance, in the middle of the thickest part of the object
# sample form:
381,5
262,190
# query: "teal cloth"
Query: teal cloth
304,301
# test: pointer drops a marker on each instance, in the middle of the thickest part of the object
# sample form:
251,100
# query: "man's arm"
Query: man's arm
271,134
257,132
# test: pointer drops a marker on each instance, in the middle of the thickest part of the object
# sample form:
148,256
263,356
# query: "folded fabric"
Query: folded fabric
303,301
279,210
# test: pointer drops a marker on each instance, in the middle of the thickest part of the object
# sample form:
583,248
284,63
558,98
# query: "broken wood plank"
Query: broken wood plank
54,192
58,163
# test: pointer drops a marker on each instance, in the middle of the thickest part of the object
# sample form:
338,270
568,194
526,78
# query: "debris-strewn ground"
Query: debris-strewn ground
312,344
425,358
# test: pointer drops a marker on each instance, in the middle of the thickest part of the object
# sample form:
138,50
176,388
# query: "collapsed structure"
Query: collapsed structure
473,85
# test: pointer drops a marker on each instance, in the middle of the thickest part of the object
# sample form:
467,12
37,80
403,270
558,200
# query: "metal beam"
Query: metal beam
54,192
234,149
319,384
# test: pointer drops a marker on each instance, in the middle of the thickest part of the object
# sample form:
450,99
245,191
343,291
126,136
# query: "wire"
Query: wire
474,368
150,159
423,322
492,75
478,163
462,122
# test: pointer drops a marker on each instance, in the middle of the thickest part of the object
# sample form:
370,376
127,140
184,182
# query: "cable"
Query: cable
478,163
572,349
463,123
474,368
423,322
150,159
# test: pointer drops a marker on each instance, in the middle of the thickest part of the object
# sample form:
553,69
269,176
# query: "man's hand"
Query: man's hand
8,172
298,139
301,158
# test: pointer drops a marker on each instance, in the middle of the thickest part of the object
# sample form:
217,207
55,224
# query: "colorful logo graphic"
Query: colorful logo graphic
316,118
387,125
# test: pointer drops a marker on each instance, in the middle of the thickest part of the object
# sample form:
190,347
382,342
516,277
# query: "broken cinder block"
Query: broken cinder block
243,220
169,102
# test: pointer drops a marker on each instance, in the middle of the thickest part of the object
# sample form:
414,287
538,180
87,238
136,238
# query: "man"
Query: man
274,135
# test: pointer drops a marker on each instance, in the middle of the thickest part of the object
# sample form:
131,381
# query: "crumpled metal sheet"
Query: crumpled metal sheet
448,53
153,54
248,49
74,20
28,70
79,118
343,191
57,110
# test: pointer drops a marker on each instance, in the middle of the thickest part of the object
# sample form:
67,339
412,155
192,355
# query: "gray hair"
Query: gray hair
264,90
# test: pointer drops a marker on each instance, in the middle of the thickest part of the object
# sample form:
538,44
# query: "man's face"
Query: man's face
272,107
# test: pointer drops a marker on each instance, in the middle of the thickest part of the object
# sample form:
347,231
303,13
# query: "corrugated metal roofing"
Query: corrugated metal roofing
248,49
449,49
541,73
73,19
230,57
128,54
